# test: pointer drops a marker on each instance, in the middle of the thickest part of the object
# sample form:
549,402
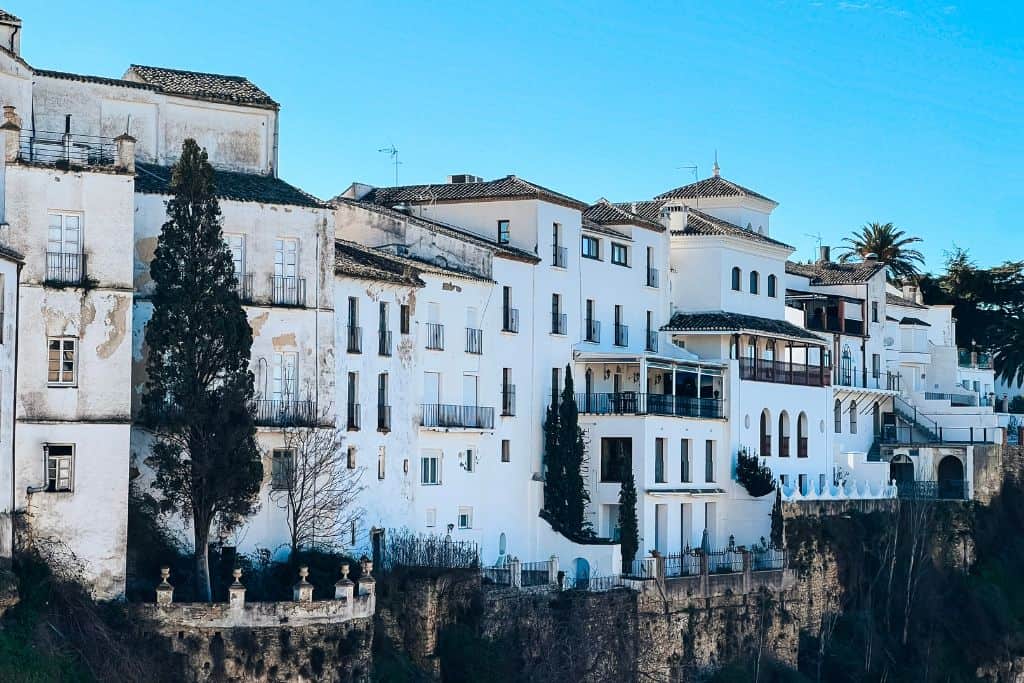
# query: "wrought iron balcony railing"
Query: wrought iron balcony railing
287,291
284,413
558,323
592,331
383,418
652,341
782,372
508,400
435,336
474,341
652,277
559,256
510,320
384,342
634,403
355,339
621,334
64,268
444,415
354,414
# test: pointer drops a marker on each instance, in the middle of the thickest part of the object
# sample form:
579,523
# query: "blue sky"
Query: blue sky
844,112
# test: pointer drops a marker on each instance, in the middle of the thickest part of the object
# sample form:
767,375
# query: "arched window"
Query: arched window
771,286
853,417
801,435
837,416
736,279
783,434
755,282
766,433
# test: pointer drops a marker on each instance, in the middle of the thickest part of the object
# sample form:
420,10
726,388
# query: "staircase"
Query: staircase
921,428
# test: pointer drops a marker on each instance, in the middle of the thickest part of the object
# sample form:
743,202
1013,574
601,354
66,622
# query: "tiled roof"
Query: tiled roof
84,78
715,186
217,87
7,16
700,223
504,250
606,213
357,261
8,252
897,300
230,185
648,209
591,226
831,273
721,321
509,187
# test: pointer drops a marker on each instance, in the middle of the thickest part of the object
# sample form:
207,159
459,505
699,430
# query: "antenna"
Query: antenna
693,169
816,236
392,152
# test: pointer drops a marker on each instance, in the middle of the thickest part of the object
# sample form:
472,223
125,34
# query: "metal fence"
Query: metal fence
405,549
534,574
682,564
727,561
444,415
51,147
593,584
765,559
284,413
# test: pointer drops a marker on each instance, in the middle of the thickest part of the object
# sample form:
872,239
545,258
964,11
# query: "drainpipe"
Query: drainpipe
14,396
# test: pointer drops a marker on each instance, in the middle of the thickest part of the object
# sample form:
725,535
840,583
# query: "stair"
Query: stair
925,427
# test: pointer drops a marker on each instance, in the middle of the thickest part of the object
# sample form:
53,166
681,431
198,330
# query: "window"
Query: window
284,384
620,254
684,461
503,232
62,361
874,311
506,450
286,258
853,417
736,279
558,319
771,286
431,517
281,467
65,233
755,282
556,383
616,458
876,365
591,247
236,243
381,463
353,312
60,465
470,462
837,416
429,469
404,319
351,458
709,461
382,389
465,518
659,461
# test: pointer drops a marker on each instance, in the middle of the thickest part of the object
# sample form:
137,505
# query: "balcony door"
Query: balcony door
470,390
286,258
284,378
65,234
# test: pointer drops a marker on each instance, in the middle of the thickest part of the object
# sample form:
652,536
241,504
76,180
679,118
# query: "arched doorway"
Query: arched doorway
901,470
783,434
581,573
951,478
766,433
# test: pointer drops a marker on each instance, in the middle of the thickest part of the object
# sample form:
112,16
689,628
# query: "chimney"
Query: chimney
871,258
462,178
913,293
825,254
125,152
12,133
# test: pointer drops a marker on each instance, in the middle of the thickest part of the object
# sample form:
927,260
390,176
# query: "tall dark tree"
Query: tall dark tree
198,394
565,494
891,245
778,533
629,527
554,482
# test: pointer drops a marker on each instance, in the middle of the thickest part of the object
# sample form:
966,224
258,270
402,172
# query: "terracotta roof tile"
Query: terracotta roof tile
217,87
606,213
715,186
721,321
831,273
700,223
509,187
230,185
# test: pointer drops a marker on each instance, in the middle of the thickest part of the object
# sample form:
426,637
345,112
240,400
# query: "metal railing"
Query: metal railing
73,149
652,277
383,418
474,341
946,489
403,549
510,320
445,415
634,403
243,285
974,359
558,323
725,561
592,330
383,342
682,564
782,372
353,414
621,334
508,400
960,400
559,256
768,559
435,336
283,413
652,341
355,339
63,268
287,291
534,574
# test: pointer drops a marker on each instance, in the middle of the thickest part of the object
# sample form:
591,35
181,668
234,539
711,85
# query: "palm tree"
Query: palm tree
890,245
1009,352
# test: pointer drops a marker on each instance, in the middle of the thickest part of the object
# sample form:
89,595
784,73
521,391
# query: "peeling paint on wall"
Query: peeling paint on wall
116,323
284,341
258,322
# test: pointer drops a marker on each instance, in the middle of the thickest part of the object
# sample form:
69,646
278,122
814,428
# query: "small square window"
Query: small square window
282,468
60,465
62,361
620,254
465,518
506,450
431,517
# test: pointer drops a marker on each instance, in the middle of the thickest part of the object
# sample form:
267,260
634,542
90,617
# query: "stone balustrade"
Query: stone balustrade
848,490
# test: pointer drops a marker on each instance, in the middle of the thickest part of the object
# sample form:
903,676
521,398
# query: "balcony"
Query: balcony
468,417
652,277
384,343
559,256
957,400
66,149
355,339
592,331
508,400
435,336
474,341
634,403
383,418
284,413
782,372
652,341
621,334
288,291
510,320
353,416
65,269
243,285
558,323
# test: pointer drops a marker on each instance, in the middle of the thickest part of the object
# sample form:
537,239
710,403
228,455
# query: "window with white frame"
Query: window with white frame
470,462
62,361
430,469
286,257
465,518
506,450
285,377
64,235
60,467
281,467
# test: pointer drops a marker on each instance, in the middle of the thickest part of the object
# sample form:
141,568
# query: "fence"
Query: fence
682,564
438,552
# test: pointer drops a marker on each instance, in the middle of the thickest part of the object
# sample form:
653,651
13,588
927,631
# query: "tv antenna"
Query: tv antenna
692,168
392,152
816,236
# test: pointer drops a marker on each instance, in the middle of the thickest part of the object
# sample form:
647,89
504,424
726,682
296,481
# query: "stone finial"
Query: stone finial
366,581
303,590
236,591
367,567
125,145
164,590
344,589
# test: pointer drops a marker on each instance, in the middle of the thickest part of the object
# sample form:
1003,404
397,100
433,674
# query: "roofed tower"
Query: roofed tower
724,199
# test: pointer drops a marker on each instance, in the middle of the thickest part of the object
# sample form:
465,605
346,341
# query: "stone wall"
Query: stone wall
825,508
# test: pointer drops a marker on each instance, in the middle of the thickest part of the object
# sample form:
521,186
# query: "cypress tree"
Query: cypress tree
554,490
778,534
572,451
199,389
629,527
